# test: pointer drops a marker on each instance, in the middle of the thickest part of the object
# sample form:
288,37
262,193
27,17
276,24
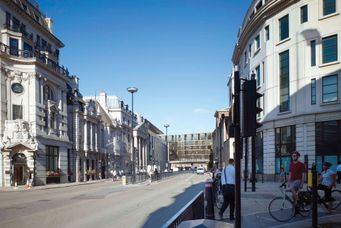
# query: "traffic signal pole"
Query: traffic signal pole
237,155
253,154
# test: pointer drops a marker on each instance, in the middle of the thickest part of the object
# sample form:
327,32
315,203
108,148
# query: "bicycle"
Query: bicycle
282,208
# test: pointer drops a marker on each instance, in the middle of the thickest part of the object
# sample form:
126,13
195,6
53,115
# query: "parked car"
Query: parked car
200,170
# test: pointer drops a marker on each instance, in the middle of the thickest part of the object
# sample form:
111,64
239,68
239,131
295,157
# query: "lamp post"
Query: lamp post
132,90
166,126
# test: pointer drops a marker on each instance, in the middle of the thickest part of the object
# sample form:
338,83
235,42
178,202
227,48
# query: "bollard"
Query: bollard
124,180
209,209
314,191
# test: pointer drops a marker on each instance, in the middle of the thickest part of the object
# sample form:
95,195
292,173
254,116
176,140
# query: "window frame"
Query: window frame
284,34
313,91
323,88
287,79
304,14
324,13
313,53
324,55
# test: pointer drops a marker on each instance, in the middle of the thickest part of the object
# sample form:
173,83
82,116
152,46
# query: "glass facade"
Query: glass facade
329,88
284,81
284,27
328,143
259,153
329,7
329,49
285,143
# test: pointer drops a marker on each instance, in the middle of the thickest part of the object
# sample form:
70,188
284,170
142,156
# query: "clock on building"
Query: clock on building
17,88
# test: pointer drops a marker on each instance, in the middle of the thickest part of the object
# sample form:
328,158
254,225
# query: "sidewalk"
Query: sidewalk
51,186
254,209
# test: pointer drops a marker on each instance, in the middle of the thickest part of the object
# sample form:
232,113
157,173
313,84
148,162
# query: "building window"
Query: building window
329,7
17,112
13,46
267,33
328,143
304,14
52,158
313,91
284,81
329,88
284,27
245,58
257,41
249,50
313,52
28,50
52,120
285,143
259,152
258,75
8,19
329,49
263,72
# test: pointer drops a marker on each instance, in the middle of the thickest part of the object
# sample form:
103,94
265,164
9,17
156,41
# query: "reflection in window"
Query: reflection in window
284,27
329,88
329,49
329,7
285,143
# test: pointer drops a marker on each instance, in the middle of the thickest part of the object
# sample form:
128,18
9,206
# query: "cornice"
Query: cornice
35,24
271,8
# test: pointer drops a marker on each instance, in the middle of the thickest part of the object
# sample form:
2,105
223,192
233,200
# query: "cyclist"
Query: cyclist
327,180
296,176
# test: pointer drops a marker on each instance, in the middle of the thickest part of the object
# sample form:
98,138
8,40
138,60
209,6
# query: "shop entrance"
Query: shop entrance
19,169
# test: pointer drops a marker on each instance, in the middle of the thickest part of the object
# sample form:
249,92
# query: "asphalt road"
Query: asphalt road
104,204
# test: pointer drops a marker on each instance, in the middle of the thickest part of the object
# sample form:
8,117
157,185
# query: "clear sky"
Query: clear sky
176,52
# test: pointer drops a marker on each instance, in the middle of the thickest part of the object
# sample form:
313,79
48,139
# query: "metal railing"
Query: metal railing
192,210
34,54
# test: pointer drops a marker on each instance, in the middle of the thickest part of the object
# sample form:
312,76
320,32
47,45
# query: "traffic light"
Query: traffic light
250,109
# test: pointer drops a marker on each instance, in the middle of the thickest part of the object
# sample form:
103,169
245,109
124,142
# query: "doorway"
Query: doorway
19,169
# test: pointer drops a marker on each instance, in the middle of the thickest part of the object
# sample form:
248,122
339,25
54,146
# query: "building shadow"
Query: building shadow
163,214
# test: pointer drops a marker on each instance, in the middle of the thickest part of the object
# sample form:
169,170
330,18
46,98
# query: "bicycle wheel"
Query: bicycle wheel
219,198
281,209
336,199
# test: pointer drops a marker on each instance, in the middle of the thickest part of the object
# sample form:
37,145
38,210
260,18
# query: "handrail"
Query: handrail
188,212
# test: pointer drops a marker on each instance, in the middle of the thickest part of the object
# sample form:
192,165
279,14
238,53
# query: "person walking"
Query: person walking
338,171
228,182
296,176
282,174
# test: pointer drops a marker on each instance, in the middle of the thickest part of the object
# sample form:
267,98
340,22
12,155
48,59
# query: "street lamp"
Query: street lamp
132,90
166,126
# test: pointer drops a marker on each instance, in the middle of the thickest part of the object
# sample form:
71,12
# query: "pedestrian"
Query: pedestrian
156,174
114,175
338,170
327,180
296,176
228,183
282,174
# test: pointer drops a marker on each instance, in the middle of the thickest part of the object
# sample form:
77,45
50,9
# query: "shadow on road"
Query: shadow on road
162,215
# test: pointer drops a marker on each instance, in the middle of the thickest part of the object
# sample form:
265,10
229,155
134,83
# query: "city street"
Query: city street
104,204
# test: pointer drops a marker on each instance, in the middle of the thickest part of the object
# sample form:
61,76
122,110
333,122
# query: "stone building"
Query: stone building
293,47
33,111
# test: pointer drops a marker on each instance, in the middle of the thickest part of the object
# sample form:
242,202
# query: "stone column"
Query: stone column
76,130
86,135
84,169
77,168
7,169
96,138
91,137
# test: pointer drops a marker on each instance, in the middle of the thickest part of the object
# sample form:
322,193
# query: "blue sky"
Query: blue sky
177,52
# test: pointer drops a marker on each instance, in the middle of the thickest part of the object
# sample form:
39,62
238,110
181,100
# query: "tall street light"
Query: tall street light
132,90
166,126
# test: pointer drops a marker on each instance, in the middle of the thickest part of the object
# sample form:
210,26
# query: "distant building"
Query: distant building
189,150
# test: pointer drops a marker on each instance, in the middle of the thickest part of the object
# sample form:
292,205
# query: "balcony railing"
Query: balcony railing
34,54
